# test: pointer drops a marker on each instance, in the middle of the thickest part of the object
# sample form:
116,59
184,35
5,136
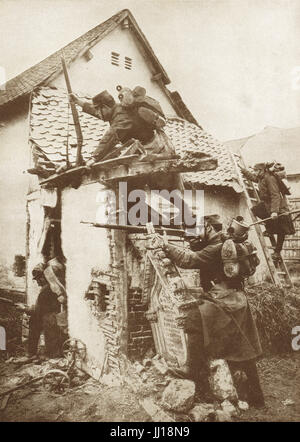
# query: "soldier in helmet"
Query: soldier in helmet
128,119
272,193
223,327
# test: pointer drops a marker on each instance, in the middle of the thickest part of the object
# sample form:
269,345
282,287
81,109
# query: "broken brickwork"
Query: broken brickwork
140,338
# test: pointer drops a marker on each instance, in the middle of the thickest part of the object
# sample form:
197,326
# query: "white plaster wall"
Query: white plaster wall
13,186
84,248
294,182
36,222
93,76
221,203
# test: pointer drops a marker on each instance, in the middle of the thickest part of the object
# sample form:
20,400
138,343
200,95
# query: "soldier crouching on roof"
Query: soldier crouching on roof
222,326
133,117
43,318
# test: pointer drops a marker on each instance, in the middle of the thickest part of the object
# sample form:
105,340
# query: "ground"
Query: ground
88,400
94,402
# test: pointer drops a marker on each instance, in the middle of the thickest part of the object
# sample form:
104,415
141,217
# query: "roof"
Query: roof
51,127
273,143
28,80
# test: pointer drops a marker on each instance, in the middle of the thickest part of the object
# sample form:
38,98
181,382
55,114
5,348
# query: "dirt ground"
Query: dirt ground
93,402
89,402
280,377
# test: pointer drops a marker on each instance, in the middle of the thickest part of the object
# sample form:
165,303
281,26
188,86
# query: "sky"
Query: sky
233,61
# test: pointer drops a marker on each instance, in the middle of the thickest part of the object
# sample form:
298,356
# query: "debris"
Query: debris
243,406
288,402
21,386
160,366
227,407
22,360
147,362
203,413
179,395
222,416
59,415
110,380
149,353
4,402
155,412
221,382
139,368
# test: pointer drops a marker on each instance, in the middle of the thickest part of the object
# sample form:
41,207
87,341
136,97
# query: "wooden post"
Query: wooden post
75,115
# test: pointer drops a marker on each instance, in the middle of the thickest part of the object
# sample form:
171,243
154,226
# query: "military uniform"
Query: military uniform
224,327
125,123
43,318
273,202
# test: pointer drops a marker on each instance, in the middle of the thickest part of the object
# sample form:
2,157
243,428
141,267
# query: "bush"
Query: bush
276,312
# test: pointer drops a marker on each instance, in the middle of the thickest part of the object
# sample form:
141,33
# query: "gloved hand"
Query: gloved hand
273,215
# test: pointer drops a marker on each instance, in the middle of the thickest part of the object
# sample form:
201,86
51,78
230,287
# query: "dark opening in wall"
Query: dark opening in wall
140,337
19,265
97,292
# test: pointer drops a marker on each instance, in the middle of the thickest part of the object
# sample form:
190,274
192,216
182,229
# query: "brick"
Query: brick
135,328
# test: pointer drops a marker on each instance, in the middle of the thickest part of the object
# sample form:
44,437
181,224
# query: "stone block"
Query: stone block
221,382
203,413
179,395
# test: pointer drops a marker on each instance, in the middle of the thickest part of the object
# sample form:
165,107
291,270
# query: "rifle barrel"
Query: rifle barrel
136,229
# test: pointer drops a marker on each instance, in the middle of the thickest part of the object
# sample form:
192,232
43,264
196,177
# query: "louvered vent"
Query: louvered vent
128,63
115,58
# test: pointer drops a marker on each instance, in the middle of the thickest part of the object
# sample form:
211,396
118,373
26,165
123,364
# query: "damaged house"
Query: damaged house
123,297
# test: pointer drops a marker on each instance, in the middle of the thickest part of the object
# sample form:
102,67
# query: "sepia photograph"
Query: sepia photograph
150,213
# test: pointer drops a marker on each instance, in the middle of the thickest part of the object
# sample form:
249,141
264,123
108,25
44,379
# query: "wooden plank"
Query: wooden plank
71,173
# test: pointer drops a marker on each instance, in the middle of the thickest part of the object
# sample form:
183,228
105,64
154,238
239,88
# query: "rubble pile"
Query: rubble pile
167,398
32,372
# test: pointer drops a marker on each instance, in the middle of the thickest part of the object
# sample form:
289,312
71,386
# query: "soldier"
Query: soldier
223,326
43,317
273,202
128,119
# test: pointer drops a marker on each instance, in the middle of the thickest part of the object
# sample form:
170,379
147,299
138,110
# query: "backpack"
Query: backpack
284,190
239,259
278,171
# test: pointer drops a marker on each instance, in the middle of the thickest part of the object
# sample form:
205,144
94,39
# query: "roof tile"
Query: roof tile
51,128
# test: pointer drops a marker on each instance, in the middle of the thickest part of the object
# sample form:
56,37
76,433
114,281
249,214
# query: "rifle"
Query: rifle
137,229
79,160
268,219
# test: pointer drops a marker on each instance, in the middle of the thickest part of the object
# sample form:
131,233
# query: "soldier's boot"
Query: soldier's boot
255,394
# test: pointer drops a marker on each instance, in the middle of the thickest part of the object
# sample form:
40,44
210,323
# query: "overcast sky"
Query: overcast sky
231,60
